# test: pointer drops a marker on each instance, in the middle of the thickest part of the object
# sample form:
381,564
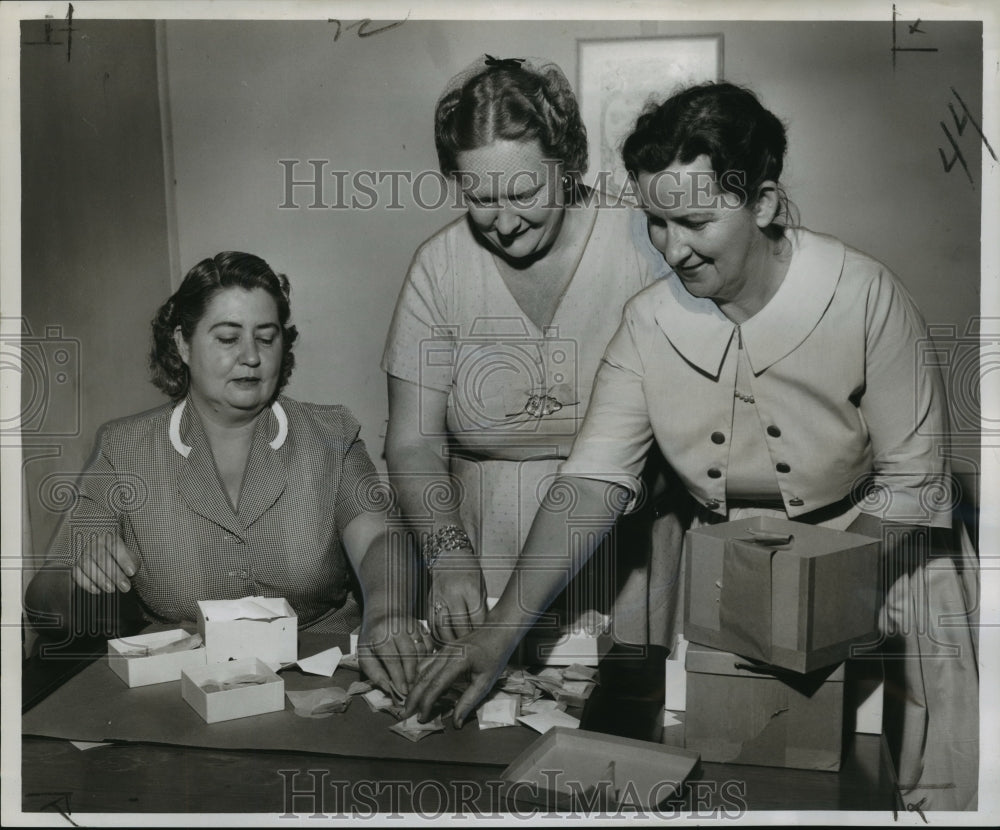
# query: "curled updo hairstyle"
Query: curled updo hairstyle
230,269
513,103
745,142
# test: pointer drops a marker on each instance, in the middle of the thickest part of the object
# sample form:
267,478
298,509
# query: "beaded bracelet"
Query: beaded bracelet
449,537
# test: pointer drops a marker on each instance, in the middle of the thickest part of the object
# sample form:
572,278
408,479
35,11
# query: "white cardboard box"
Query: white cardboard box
239,702
157,668
675,698
264,627
573,647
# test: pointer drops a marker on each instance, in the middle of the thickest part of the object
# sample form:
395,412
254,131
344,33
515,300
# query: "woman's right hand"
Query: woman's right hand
457,595
481,656
107,565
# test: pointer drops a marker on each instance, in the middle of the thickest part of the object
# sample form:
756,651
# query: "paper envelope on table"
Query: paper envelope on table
262,627
787,593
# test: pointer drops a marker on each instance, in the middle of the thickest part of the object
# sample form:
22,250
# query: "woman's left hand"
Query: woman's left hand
389,649
480,655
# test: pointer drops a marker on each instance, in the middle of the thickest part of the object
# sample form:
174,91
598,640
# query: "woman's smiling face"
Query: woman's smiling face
706,234
514,196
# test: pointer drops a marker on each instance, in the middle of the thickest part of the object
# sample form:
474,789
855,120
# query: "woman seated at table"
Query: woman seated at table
495,341
777,371
233,489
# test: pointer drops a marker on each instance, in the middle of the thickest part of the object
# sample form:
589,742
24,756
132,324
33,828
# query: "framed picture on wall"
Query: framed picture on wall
619,77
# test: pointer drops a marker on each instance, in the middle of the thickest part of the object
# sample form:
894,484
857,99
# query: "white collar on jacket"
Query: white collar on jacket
185,450
702,333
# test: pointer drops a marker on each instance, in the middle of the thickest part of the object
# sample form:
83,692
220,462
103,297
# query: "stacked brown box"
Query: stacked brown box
772,609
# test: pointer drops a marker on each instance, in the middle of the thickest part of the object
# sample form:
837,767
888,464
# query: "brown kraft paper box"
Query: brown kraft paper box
800,606
739,713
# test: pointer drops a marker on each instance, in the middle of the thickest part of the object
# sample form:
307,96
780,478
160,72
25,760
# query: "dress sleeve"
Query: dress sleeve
419,347
616,434
359,480
93,506
905,409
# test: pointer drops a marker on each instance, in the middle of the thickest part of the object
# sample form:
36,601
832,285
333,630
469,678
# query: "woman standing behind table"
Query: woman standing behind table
496,338
234,489
777,371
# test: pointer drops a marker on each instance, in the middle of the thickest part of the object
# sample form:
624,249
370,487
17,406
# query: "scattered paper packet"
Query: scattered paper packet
359,687
379,701
544,721
319,703
580,672
324,663
412,729
540,705
499,710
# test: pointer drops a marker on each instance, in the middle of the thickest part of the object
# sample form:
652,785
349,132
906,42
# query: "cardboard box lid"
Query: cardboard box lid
705,660
809,540
651,771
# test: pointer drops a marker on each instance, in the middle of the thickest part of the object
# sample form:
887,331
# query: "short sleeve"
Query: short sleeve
419,347
905,409
616,434
90,507
358,478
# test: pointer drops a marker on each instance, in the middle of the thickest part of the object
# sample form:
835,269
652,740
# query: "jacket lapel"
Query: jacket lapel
198,478
265,479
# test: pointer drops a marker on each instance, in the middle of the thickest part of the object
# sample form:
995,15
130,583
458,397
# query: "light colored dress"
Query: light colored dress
818,407
516,394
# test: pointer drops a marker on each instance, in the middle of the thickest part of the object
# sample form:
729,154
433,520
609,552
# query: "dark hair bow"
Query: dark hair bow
510,63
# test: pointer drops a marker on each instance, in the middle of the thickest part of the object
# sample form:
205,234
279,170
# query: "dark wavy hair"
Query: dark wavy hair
723,121
515,104
230,269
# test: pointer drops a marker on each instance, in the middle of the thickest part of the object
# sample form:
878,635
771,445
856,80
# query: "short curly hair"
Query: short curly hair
723,121
229,269
513,104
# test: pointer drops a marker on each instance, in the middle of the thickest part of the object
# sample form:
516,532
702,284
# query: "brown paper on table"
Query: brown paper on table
95,705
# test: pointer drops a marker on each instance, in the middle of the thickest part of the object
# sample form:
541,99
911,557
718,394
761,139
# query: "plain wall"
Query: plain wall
94,245
863,162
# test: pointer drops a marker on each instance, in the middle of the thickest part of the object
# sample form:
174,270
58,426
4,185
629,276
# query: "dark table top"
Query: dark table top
147,778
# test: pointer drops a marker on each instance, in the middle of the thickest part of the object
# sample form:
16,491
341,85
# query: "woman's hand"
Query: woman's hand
457,595
107,565
483,654
390,647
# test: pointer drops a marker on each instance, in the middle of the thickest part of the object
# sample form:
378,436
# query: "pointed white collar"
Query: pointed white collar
702,333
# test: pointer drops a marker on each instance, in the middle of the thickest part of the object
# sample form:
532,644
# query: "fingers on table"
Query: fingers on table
470,698
395,659
105,566
436,677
